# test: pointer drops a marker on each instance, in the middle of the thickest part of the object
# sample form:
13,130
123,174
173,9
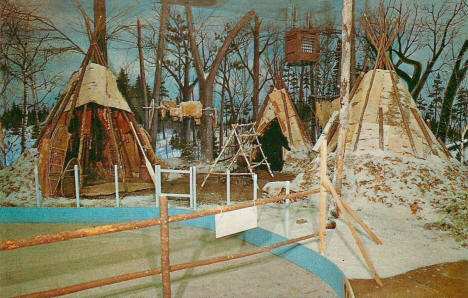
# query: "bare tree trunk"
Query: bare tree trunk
142,75
2,148
347,13
256,68
221,115
100,21
158,71
24,120
35,105
206,82
457,76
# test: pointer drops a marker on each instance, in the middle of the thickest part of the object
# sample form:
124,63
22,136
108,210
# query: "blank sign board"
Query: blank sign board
236,221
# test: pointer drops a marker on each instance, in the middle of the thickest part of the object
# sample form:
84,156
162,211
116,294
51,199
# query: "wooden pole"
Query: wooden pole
381,131
131,225
164,234
147,162
323,195
154,271
354,233
331,189
347,15
82,140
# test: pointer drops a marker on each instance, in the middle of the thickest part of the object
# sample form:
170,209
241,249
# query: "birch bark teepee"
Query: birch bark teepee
93,127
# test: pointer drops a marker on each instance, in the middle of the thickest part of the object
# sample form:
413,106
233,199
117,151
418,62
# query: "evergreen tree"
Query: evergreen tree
123,83
436,94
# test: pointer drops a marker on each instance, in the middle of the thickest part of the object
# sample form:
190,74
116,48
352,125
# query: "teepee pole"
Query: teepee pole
219,156
80,146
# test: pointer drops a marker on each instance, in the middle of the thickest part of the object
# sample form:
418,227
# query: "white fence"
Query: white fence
192,172
193,185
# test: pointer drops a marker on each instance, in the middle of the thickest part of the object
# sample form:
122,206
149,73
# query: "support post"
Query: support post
77,186
286,211
164,235
157,185
38,191
345,79
191,187
323,195
194,188
254,187
228,187
116,182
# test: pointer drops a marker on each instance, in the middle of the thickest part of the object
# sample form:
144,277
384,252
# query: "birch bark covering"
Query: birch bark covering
347,14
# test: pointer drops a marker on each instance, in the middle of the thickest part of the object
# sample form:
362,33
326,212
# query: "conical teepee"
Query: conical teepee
383,114
389,120
93,127
279,110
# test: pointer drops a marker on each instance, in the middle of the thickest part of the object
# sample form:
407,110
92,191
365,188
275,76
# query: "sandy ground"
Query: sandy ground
53,265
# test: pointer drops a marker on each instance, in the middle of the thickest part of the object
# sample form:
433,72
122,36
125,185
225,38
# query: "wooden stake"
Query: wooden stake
381,132
332,190
323,195
81,144
424,129
354,233
147,162
164,233
447,152
114,142
286,113
394,95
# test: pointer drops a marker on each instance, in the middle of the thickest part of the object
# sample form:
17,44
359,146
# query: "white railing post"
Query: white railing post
116,182
77,186
157,186
194,188
228,187
38,191
286,211
191,187
254,187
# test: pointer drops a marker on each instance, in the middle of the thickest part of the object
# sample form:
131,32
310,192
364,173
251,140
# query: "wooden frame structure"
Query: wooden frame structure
244,140
301,46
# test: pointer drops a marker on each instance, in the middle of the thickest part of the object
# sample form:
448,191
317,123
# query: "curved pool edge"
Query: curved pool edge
296,253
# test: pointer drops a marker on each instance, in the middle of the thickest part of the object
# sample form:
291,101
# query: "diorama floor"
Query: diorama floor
60,264
441,280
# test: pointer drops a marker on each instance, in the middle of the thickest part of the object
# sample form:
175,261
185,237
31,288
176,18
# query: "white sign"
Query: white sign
228,223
